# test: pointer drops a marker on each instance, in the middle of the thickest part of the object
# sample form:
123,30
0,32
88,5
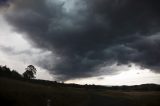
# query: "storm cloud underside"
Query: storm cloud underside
87,35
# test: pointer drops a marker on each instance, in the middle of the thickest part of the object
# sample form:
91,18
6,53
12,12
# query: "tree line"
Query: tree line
29,73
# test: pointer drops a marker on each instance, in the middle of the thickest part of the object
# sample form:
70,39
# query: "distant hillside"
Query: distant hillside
15,92
6,72
18,91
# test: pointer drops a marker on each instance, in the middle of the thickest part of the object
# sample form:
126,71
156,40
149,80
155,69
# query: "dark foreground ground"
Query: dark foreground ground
25,93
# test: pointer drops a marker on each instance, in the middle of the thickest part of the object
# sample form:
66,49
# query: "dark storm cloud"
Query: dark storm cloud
4,3
93,34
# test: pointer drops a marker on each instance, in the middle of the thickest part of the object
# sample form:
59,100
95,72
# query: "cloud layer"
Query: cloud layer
87,35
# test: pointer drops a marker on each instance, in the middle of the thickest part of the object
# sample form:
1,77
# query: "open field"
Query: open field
22,93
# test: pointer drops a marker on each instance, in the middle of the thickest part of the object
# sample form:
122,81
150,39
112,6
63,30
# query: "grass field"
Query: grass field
23,93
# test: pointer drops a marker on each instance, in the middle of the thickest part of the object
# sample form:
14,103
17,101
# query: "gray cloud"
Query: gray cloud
90,34
3,2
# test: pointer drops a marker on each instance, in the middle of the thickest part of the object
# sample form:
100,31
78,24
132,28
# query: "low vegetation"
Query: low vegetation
15,90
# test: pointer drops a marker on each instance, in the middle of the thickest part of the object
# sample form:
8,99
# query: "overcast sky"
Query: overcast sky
107,42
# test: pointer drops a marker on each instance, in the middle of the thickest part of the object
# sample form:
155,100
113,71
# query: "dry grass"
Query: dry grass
21,93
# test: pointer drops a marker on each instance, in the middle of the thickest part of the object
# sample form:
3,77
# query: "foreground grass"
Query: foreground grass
22,93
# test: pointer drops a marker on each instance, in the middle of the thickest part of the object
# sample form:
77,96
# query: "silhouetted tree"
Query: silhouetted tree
15,74
30,72
7,72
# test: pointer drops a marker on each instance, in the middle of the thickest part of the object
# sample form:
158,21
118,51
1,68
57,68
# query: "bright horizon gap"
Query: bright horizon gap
133,76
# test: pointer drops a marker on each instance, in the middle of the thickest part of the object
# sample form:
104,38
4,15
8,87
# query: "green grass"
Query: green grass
23,93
